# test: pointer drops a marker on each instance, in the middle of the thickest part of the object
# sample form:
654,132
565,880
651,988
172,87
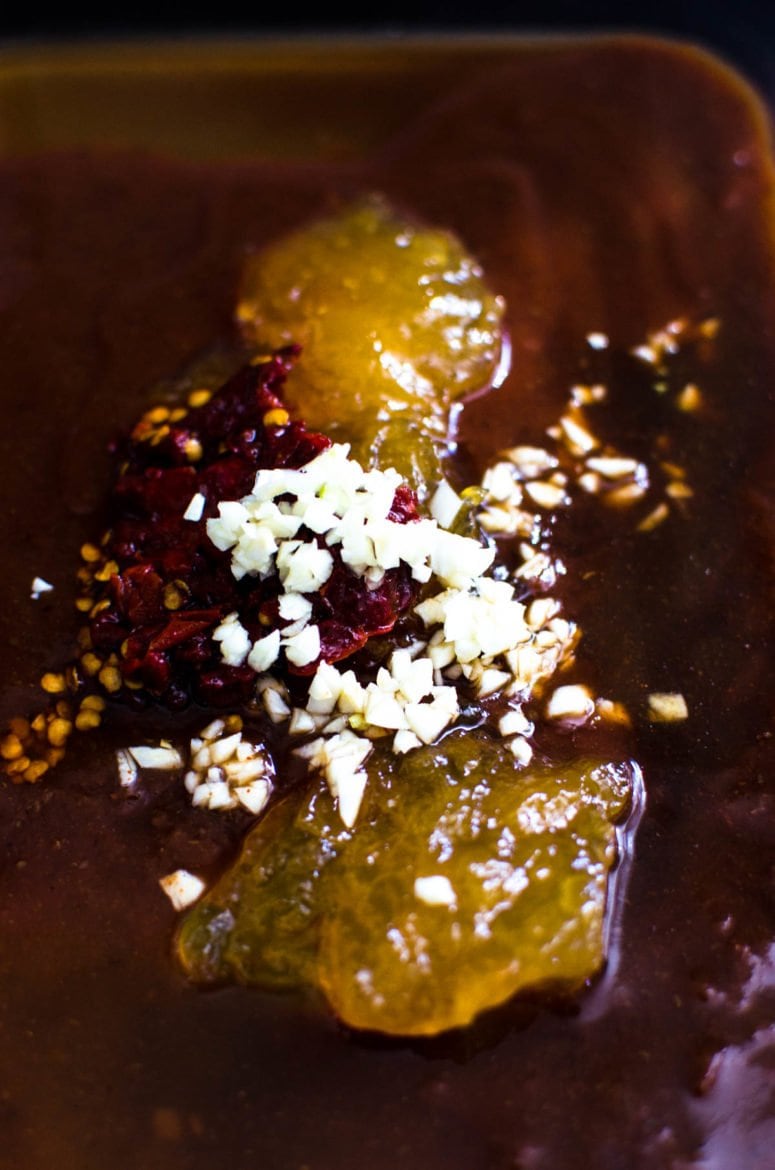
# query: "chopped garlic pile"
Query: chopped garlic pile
292,520
228,771
478,632
225,770
529,481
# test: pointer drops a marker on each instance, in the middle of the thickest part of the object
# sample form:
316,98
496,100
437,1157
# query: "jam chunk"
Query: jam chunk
396,324
466,881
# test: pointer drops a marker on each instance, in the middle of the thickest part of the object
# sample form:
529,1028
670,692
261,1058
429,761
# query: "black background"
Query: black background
742,31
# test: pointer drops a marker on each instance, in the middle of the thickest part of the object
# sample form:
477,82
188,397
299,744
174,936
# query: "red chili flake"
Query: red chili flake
157,613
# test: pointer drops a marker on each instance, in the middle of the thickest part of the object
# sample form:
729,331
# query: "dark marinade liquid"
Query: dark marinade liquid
609,187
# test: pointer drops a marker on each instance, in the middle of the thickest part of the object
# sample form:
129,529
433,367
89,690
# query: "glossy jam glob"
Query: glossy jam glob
395,321
464,882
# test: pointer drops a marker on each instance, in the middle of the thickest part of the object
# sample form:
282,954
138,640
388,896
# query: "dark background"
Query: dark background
742,31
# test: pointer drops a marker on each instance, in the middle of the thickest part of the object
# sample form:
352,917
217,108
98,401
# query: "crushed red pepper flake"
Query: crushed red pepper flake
154,588
161,588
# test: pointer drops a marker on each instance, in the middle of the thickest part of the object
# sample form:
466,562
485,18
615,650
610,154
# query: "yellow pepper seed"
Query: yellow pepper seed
276,417
110,678
35,770
58,732
93,703
158,435
87,720
199,397
91,663
173,596
108,570
11,748
157,414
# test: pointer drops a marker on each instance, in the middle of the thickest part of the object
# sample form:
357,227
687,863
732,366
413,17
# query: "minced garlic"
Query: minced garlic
667,707
182,888
342,506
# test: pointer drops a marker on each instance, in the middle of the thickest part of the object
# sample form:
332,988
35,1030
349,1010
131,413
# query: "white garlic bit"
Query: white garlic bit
182,888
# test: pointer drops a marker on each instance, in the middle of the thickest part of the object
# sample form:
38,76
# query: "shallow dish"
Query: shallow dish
618,194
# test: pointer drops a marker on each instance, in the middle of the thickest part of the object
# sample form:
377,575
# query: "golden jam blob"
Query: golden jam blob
395,321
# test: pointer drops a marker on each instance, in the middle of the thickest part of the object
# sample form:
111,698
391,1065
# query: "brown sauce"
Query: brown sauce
604,186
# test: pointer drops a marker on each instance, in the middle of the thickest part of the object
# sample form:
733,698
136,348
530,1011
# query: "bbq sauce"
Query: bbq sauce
605,187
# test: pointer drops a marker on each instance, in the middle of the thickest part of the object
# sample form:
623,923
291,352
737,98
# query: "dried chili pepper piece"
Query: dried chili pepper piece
159,587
